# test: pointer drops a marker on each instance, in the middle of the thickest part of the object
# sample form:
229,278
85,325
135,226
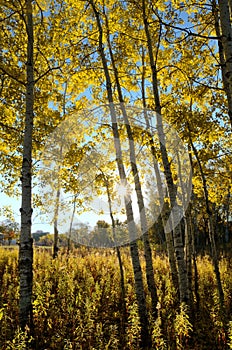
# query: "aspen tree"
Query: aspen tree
210,225
139,289
164,211
177,234
137,182
224,33
26,242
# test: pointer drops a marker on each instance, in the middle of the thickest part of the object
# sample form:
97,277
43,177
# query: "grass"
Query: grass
77,304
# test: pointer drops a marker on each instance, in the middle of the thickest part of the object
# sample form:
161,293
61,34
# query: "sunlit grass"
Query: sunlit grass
77,303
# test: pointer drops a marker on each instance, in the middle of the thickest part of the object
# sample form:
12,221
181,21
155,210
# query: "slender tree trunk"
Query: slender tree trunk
177,234
57,200
165,210
188,254
187,234
138,188
56,232
226,37
122,279
230,4
26,242
71,225
210,227
194,230
195,269
226,67
227,215
139,289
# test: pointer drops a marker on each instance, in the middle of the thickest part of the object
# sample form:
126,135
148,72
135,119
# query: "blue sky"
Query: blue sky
15,204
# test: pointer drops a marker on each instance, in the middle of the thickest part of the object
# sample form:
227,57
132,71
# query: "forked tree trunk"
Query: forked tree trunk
139,288
26,242
138,188
177,234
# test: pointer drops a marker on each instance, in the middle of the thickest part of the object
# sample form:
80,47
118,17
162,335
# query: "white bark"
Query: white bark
26,244
177,234
210,227
164,211
138,188
226,32
139,288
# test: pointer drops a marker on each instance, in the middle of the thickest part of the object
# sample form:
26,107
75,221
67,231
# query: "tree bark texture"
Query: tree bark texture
26,243
210,228
139,288
138,188
165,211
225,67
177,234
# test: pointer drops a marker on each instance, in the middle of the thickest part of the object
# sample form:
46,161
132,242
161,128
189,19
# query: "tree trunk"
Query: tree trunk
138,189
226,37
223,56
194,232
177,234
56,232
71,226
188,254
165,210
122,279
139,289
227,216
26,242
210,227
195,269
187,234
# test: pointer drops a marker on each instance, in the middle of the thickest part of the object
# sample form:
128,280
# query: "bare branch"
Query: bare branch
185,30
12,76
12,128
8,17
190,78
45,73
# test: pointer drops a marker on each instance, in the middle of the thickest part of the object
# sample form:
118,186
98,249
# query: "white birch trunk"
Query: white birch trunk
26,243
138,189
210,228
139,288
56,232
164,211
177,234
226,32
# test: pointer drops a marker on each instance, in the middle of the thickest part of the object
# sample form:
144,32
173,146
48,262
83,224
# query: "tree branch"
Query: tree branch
45,73
185,30
12,76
